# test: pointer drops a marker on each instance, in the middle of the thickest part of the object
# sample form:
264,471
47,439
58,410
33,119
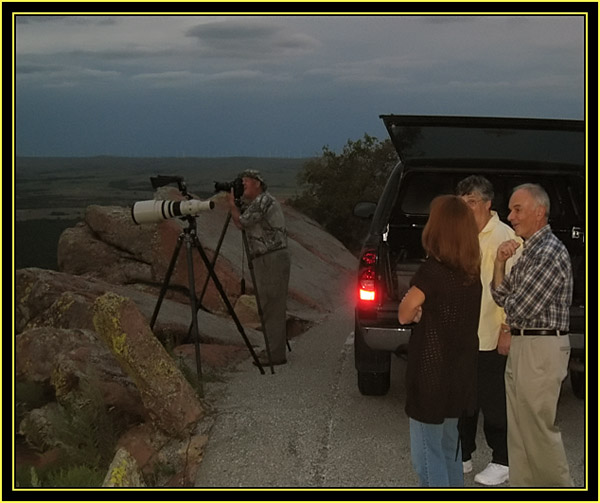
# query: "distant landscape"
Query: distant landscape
51,193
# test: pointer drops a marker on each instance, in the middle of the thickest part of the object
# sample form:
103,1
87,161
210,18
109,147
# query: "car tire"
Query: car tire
578,383
373,383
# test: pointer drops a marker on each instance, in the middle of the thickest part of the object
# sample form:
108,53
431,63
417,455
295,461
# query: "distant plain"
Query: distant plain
51,193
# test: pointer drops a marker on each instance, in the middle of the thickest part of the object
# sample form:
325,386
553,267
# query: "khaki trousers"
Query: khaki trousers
535,369
272,273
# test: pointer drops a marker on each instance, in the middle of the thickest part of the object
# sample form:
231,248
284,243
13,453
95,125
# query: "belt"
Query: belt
536,331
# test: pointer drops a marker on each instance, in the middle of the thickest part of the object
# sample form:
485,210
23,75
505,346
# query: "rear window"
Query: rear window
418,188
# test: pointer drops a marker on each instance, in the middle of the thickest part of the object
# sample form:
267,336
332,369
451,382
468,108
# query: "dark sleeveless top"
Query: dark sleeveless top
441,375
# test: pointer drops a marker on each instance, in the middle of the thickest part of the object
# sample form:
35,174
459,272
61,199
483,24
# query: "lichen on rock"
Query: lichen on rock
123,472
169,398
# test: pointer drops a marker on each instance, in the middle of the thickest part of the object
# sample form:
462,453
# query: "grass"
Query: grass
82,428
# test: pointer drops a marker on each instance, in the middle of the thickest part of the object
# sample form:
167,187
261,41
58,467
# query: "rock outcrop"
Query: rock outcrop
45,298
48,354
126,254
88,323
172,403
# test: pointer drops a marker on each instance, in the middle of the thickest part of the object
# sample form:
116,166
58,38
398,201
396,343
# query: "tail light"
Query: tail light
366,278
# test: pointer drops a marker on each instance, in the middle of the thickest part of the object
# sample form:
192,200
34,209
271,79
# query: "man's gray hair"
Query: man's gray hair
476,184
540,196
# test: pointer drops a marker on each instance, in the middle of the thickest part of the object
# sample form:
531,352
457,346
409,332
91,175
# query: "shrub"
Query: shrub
332,184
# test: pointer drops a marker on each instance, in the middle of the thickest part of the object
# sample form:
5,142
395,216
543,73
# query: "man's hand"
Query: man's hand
506,250
230,198
235,211
504,340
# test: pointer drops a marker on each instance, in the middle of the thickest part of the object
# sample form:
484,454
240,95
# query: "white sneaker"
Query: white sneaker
493,475
467,466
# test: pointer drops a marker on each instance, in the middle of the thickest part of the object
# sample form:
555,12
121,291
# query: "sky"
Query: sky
279,86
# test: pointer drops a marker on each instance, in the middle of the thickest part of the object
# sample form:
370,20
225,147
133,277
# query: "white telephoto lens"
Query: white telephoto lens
194,206
149,212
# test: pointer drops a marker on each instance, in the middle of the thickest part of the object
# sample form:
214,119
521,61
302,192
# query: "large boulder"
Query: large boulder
113,264
168,397
63,357
45,298
53,354
322,271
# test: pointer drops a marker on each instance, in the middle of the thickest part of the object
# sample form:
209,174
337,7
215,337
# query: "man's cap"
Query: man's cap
252,173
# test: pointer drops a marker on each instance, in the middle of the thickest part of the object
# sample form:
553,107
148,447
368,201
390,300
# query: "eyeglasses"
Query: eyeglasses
472,202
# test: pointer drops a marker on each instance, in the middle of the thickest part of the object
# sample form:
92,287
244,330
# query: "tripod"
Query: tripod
190,237
253,277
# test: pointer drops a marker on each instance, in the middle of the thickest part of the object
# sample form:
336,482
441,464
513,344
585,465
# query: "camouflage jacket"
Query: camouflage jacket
264,223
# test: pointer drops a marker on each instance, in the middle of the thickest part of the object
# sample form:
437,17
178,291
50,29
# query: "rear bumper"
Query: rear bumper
393,338
386,339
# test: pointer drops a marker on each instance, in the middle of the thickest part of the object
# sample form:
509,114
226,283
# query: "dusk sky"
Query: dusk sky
280,86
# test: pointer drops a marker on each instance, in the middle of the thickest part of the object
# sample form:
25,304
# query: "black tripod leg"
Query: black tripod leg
216,255
165,285
258,304
219,286
214,261
192,290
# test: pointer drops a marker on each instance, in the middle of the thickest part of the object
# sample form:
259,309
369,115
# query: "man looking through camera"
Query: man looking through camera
261,217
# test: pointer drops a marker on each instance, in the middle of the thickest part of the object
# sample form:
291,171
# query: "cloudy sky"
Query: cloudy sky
279,85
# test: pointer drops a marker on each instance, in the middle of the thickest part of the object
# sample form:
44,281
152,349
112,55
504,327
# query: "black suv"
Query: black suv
435,154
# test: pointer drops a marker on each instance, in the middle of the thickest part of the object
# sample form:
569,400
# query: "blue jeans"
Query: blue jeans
433,451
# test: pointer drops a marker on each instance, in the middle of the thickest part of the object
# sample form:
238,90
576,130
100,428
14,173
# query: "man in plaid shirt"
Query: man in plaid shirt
536,296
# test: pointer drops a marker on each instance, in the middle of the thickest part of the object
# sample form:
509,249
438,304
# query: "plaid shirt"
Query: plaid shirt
537,292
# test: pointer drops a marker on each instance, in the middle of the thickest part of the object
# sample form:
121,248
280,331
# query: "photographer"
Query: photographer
261,217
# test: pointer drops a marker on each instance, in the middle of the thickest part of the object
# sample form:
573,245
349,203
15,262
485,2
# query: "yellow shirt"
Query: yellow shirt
491,315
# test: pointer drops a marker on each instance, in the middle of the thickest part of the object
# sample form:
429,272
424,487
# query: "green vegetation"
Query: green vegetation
332,184
71,476
81,427
84,428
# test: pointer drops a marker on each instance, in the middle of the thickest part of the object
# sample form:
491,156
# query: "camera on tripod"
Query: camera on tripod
237,185
153,211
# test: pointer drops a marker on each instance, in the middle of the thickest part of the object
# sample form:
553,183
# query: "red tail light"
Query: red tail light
369,258
366,285
366,278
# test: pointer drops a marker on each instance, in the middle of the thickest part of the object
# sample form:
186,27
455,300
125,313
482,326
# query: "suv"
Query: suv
435,154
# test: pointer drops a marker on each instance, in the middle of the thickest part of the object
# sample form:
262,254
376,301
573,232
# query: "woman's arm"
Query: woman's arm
410,310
